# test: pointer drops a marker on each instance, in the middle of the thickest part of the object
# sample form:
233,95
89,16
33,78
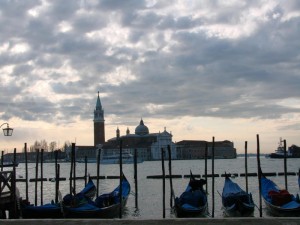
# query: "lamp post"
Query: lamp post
7,131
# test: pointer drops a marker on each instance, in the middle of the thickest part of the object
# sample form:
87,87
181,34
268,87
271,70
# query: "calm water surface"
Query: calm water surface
150,190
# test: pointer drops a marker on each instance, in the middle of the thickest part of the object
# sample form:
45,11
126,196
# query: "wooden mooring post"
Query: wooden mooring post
172,196
164,181
213,177
135,178
259,174
121,179
246,165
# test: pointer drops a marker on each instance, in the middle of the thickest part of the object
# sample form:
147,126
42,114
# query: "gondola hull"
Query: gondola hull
289,208
91,211
239,210
184,212
278,211
235,201
193,201
51,211
105,206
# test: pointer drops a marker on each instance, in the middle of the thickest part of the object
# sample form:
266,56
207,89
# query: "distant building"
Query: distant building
148,145
81,152
193,149
32,156
294,151
99,126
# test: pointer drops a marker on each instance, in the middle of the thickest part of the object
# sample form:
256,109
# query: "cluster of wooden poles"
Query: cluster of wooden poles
73,177
172,195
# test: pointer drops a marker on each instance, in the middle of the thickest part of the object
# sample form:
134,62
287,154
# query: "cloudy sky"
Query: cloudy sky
228,69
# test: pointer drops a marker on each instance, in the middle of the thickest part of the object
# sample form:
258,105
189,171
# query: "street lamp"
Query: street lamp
7,131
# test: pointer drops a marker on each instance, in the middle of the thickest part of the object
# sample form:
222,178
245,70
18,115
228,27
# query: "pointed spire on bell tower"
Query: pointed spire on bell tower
99,128
98,112
98,103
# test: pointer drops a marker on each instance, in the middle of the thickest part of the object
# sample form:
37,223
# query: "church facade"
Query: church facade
148,145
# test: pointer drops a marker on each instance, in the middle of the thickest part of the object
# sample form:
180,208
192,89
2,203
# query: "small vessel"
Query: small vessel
9,164
105,206
292,152
279,152
235,201
54,210
127,158
279,202
193,201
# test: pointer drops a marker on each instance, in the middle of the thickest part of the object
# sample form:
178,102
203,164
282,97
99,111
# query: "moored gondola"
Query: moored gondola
235,201
55,210
105,206
278,202
193,201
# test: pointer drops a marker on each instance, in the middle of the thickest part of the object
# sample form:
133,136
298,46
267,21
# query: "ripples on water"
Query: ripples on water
150,190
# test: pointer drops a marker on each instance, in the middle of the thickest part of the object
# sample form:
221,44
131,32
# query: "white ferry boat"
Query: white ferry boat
127,158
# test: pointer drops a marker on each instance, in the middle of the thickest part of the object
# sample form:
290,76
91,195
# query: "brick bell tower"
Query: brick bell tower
99,131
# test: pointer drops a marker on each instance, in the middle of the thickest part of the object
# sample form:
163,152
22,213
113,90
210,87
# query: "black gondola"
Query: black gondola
235,201
55,210
278,202
105,206
193,201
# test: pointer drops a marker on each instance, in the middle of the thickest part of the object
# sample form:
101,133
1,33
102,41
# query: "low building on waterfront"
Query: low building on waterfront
90,152
32,156
194,149
294,151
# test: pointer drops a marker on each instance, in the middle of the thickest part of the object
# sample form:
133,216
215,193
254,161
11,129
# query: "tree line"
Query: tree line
52,146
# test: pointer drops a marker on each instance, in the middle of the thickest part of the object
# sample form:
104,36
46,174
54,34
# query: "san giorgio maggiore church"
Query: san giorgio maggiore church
148,145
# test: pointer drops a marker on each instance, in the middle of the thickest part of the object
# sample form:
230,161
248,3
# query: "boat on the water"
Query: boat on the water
193,201
279,202
127,158
292,152
105,206
236,201
9,164
54,210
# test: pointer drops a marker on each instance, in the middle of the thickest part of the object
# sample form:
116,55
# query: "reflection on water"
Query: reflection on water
150,190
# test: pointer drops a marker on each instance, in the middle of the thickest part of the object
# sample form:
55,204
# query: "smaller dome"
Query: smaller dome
141,129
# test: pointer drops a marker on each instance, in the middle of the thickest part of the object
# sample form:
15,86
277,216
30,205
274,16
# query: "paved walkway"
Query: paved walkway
200,221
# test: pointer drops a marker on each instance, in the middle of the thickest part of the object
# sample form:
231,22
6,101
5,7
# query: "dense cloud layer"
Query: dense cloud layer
163,59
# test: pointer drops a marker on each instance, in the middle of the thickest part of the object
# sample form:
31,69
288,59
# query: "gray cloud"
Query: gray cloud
178,61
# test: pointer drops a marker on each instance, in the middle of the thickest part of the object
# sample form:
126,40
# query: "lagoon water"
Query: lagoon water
150,190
